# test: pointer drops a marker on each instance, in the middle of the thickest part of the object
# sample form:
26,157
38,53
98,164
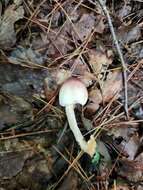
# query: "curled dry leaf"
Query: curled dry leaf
111,86
7,32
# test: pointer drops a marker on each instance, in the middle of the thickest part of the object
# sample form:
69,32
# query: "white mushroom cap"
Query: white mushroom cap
73,91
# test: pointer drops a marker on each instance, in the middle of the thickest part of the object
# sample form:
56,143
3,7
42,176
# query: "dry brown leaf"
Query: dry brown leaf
99,60
130,170
139,187
111,86
13,110
95,99
7,32
58,43
121,186
84,27
80,70
124,10
122,129
129,34
99,26
61,75
12,163
88,78
26,57
70,182
131,147
51,82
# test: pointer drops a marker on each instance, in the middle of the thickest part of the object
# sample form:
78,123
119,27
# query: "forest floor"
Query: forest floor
42,44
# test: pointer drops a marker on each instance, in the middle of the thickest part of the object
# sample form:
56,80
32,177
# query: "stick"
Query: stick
124,68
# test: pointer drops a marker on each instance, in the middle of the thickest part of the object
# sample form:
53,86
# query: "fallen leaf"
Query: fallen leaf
131,147
17,2
22,81
99,61
58,44
124,10
12,163
83,27
87,123
7,32
26,56
129,34
130,170
104,152
50,87
120,186
95,98
120,130
14,110
70,182
99,25
51,83
139,187
58,15
139,160
80,70
61,75
136,51
111,86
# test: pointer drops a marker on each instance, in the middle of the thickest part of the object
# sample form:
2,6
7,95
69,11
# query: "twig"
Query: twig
27,134
124,68
61,135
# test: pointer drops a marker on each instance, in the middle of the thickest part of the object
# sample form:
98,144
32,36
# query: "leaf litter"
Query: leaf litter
43,44
7,32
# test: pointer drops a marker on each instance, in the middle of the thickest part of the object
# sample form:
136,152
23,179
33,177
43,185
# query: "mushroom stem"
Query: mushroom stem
73,125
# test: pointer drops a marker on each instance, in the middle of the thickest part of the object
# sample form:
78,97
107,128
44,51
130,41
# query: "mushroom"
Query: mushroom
72,92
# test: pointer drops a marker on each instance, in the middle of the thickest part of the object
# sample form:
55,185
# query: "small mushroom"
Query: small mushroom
72,92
